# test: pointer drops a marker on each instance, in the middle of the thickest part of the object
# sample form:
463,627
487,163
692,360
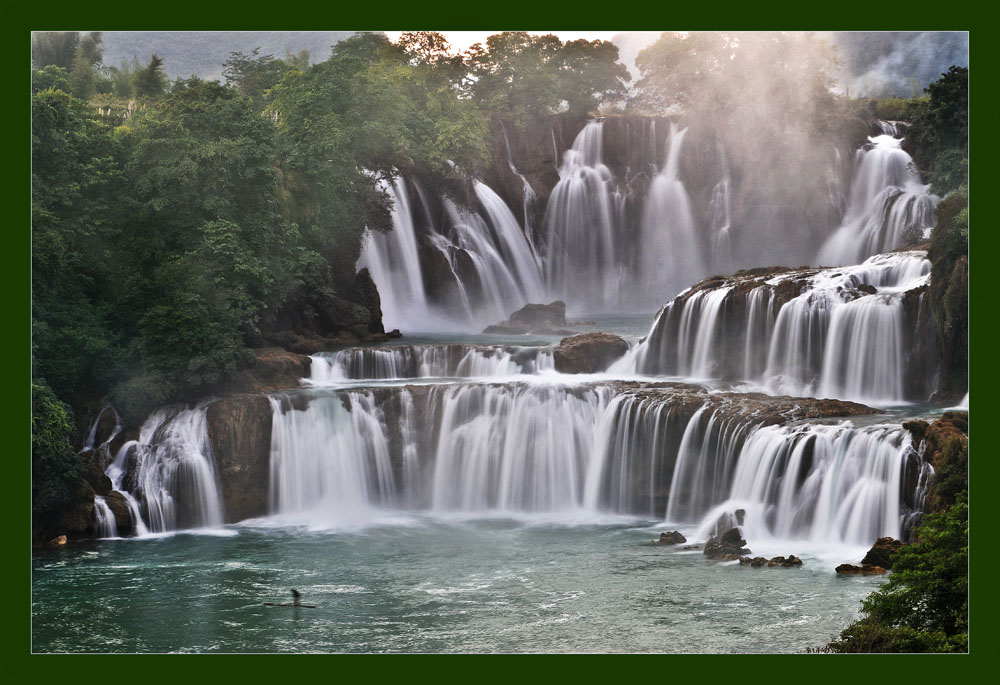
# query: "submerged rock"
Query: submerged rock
548,319
671,538
727,547
757,562
863,570
881,552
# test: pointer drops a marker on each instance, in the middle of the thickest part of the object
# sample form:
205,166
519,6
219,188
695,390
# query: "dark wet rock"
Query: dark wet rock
365,293
394,333
93,463
671,538
588,353
119,507
273,368
691,547
881,552
757,562
867,289
727,547
863,570
239,429
107,422
547,319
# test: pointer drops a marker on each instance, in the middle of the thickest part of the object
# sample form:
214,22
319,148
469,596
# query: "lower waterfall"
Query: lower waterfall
168,474
521,448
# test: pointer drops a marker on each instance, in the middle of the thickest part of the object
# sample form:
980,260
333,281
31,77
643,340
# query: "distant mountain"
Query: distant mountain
201,53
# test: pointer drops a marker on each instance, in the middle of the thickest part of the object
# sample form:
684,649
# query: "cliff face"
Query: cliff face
239,429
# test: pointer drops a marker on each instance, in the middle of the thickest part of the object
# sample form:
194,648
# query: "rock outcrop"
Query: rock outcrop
671,538
786,562
727,547
239,429
588,353
863,570
881,552
544,319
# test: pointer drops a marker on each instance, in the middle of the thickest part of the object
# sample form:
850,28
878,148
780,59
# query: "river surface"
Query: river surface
412,583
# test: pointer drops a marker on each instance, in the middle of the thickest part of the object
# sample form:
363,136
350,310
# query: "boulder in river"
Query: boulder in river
672,538
727,547
881,552
544,319
588,353
863,570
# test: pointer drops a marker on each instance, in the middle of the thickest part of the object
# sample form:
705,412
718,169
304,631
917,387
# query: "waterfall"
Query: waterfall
394,263
168,474
720,208
670,249
833,333
427,361
518,448
887,206
834,484
582,265
330,458
104,519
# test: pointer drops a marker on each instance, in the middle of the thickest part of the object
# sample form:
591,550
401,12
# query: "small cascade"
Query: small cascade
427,361
332,457
168,476
671,256
828,484
89,442
583,266
888,205
394,263
720,208
839,333
105,525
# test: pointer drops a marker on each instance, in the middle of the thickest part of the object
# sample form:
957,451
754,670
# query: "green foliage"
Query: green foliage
49,78
151,80
939,137
925,604
890,109
55,470
518,76
254,75
54,47
949,290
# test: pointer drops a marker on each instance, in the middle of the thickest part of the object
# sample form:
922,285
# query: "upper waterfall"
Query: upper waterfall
887,205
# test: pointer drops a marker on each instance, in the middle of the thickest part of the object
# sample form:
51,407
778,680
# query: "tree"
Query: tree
939,135
924,607
151,80
55,470
49,78
253,74
55,48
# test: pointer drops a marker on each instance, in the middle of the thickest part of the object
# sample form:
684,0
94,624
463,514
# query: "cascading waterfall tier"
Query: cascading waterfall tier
888,205
492,266
661,450
427,361
168,475
861,333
